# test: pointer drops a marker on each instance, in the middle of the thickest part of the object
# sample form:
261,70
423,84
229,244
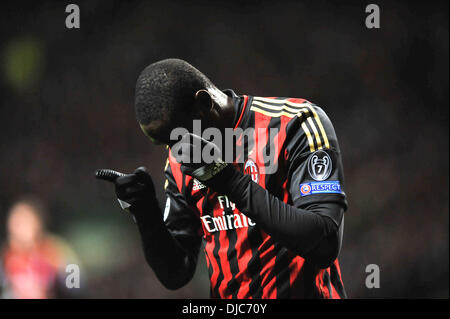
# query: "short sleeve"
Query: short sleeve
315,170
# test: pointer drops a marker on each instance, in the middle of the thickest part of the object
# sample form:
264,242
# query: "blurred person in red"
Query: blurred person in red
32,259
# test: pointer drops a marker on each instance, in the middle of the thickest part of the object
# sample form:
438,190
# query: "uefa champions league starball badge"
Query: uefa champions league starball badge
319,165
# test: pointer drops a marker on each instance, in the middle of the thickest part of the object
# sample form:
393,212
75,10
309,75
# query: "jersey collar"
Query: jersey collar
239,106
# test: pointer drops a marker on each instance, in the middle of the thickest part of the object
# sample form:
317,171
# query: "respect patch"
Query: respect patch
328,187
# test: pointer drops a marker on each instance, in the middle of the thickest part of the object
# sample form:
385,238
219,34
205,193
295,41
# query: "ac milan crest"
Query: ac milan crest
251,169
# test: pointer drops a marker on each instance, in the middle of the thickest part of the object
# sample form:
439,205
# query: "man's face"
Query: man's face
24,226
155,132
158,131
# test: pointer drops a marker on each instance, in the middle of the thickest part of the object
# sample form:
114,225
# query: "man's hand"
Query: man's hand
198,157
136,189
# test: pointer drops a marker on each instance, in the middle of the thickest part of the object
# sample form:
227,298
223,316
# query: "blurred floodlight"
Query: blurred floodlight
22,60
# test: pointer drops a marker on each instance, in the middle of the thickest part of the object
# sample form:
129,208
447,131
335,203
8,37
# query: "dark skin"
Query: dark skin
211,106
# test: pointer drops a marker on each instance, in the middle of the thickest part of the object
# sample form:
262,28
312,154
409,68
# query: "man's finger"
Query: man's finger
126,180
107,174
143,175
131,193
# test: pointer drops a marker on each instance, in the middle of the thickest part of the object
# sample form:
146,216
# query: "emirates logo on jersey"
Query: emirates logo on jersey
227,220
251,169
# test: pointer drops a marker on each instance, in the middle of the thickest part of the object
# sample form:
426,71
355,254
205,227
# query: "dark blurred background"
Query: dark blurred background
67,109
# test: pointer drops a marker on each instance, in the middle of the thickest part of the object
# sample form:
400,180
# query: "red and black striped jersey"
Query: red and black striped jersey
243,261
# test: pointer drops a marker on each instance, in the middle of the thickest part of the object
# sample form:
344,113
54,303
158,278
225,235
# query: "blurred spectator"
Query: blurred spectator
33,261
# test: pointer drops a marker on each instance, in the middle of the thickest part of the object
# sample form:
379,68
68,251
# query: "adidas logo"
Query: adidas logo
197,185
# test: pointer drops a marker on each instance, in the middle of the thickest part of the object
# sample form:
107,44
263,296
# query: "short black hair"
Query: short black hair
166,89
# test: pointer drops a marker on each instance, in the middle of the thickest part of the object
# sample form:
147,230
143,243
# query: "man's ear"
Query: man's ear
203,101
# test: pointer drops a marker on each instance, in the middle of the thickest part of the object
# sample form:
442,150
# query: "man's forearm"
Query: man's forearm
300,230
172,264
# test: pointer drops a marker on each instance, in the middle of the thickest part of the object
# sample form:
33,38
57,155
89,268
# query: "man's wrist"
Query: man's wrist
207,172
147,212
229,182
